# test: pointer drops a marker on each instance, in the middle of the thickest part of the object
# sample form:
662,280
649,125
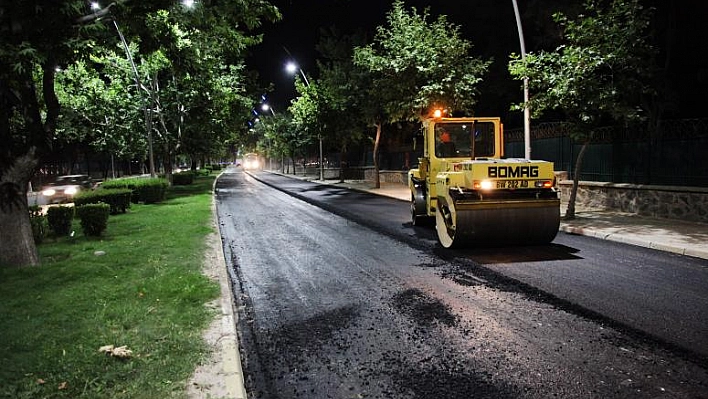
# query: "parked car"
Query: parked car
64,188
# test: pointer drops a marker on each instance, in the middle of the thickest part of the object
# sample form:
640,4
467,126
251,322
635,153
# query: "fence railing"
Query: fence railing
675,155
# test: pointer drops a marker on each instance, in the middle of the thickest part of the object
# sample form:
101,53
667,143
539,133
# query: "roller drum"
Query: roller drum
497,223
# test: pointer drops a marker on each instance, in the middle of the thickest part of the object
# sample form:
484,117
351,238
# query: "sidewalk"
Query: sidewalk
669,235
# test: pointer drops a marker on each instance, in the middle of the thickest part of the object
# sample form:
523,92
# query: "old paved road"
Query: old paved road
332,309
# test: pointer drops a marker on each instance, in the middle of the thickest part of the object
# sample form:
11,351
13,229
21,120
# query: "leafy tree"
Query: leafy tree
282,137
38,36
308,111
416,63
101,110
341,83
597,75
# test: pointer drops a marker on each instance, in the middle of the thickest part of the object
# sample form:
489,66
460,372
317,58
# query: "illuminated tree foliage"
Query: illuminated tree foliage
42,37
416,64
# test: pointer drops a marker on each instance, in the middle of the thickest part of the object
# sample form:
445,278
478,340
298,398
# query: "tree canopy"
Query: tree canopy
414,64
177,51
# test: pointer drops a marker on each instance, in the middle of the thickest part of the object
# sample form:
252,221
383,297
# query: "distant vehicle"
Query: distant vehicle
64,188
251,161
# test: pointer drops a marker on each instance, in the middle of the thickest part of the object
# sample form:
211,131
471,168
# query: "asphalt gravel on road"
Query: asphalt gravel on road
330,308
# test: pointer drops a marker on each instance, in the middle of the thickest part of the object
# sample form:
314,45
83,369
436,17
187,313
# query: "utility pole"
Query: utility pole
527,111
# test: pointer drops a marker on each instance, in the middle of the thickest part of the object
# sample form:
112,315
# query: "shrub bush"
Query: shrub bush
59,218
39,224
118,198
94,218
147,190
152,190
127,182
183,178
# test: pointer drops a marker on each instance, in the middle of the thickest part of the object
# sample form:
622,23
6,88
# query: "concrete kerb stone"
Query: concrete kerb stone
636,241
230,363
697,253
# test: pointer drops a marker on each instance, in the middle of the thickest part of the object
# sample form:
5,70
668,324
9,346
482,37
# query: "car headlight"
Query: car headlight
49,192
71,191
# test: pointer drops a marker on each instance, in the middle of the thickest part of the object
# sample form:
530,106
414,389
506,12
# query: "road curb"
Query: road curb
231,366
597,233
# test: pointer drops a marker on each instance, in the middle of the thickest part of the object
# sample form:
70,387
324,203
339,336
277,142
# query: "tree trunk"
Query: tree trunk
377,141
342,162
17,247
570,211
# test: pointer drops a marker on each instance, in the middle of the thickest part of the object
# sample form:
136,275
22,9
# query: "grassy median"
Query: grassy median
140,286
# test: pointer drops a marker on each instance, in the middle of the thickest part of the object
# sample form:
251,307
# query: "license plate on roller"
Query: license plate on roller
512,183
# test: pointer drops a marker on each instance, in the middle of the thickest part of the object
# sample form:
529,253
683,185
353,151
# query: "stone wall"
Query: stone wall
673,202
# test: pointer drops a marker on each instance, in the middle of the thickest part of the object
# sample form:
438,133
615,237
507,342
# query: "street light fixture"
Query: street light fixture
292,69
265,107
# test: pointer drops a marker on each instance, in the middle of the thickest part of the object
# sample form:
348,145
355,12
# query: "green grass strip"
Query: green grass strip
146,292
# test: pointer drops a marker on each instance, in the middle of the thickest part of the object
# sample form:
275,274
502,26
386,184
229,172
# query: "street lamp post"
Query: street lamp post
527,111
293,68
266,107
138,84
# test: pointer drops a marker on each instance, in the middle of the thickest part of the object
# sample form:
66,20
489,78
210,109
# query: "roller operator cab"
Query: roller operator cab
475,195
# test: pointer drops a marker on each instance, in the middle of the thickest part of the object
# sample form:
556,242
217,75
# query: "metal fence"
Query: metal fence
675,157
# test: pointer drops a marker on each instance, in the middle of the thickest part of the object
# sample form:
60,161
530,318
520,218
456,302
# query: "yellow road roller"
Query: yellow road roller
475,195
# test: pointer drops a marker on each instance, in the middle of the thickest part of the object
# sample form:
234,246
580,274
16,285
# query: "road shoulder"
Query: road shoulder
220,375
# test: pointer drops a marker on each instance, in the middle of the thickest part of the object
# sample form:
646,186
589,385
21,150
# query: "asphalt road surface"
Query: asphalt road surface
336,307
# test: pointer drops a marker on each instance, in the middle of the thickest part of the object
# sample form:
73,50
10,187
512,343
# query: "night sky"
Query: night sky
297,33
491,27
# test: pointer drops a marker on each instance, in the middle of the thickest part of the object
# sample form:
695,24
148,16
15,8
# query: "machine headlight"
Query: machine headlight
483,185
71,191
49,192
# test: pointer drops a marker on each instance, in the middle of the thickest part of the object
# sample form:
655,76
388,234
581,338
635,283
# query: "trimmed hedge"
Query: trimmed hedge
59,218
152,191
94,218
183,178
117,198
147,190
39,224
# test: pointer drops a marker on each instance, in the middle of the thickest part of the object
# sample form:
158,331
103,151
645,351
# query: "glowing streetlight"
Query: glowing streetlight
265,107
293,68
